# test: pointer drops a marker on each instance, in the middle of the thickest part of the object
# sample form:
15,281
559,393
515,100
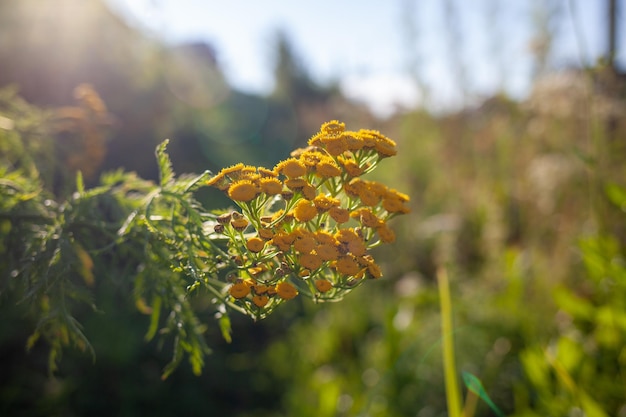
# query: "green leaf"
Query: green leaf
617,195
572,304
176,359
473,384
80,184
166,173
224,322
154,318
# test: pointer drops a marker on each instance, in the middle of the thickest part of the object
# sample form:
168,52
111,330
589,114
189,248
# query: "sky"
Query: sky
386,53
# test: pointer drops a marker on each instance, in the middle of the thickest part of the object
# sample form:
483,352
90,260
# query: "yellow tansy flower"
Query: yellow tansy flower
323,285
260,289
346,235
232,169
255,244
335,145
353,141
385,146
334,127
366,217
310,261
308,191
357,247
338,214
385,234
260,300
291,168
394,205
347,265
350,166
239,223
374,270
304,211
305,244
286,291
243,190
323,237
283,241
266,173
327,168
295,183
265,233
368,196
239,290
270,186
311,157
327,252
324,203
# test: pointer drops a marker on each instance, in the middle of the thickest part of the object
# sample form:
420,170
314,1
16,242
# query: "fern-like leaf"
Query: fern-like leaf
166,173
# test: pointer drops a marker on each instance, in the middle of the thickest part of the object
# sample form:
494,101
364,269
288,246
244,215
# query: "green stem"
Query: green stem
453,395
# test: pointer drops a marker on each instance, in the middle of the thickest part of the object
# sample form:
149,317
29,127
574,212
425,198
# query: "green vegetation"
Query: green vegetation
517,212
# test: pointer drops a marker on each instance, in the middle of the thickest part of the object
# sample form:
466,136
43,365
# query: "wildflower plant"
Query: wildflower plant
306,227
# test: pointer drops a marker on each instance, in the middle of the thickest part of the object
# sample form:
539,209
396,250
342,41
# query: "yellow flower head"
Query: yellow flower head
323,237
327,168
304,211
366,217
353,141
295,183
266,173
384,146
243,190
347,265
357,247
286,291
369,195
311,157
260,289
327,252
308,191
374,270
291,168
219,181
260,300
310,261
335,145
350,166
369,140
270,186
224,218
232,170
239,223
305,244
283,240
346,235
324,203
255,244
266,234
385,234
394,205
353,187
338,214
333,127
323,285
239,290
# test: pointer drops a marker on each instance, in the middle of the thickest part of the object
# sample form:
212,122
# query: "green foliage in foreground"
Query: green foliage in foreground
538,310
305,227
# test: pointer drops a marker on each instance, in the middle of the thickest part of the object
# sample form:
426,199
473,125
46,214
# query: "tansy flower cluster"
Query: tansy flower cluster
307,226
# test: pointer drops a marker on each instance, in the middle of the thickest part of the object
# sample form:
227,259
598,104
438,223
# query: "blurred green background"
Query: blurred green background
521,199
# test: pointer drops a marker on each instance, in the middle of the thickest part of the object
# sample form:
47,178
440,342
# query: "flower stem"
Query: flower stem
452,387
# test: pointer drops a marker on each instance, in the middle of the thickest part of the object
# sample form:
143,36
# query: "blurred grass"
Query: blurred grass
523,201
